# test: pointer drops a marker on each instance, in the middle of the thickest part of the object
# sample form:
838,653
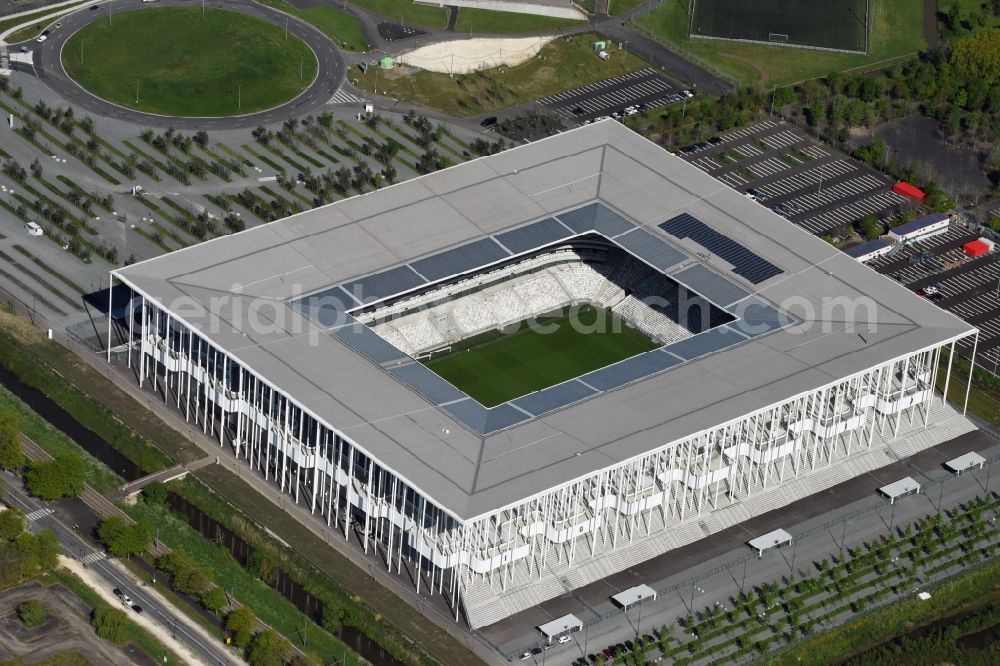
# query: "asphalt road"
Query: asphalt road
694,559
48,67
74,545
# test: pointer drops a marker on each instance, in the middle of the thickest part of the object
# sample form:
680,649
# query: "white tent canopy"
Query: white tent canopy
561,625
966,462
770,540
901,488
634,595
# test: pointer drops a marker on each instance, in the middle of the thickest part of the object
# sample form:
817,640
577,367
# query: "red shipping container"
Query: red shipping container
909,191
976,248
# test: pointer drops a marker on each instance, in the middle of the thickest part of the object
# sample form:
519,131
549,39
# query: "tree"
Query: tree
123,539
110,624
32,612
11,524
268,649
241,623
11,448
154,493
60,477
186,576
870,227
201,138
215,600
36,168
13,170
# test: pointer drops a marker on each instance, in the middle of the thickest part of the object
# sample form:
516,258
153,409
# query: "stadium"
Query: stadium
834,25
523,373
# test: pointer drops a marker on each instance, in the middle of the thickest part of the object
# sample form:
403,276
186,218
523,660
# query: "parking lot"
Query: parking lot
645,89
967,287
825,192
811,185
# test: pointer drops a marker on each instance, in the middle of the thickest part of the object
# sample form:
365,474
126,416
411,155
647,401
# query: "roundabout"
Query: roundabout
181,61
228,65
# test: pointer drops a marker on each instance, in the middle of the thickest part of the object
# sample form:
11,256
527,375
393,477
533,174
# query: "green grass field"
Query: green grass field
497,367
897,31
562,64
492,22
834,24
407,12
177,61
343,29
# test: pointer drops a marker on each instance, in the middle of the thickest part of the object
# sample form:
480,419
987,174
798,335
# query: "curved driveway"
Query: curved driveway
49,69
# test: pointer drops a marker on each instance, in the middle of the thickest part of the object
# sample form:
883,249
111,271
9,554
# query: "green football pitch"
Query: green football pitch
829,24
498,366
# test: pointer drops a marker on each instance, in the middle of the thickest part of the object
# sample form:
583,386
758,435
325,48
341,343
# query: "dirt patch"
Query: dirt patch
20,328
930,23
915,141
461,56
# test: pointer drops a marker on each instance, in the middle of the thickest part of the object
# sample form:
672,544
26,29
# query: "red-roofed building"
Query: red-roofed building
909,191
976,248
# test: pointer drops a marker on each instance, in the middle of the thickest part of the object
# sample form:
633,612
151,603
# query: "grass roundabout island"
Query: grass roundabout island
181,61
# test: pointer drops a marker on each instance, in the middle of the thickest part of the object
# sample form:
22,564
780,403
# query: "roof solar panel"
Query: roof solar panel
653,250
745,262
554,397
595,217
387,283
534,235
504,416
469,412
427,383
711,285
366,341
460,259
629,370
757,317
326,307
705,343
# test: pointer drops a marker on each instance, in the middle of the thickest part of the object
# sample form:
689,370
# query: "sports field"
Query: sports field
831,24
897,32
180,61
498,366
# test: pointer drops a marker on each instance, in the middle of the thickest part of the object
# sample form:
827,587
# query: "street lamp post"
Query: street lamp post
638,623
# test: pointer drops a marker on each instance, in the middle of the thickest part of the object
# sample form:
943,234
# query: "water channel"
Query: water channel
100,449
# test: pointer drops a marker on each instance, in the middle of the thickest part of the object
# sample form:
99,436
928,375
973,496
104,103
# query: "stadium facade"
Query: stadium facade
295,342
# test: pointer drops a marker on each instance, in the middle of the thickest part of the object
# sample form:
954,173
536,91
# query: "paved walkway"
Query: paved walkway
162,476
97,502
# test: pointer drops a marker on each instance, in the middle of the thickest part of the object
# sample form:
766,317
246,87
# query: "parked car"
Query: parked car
489,121
525,655
564,639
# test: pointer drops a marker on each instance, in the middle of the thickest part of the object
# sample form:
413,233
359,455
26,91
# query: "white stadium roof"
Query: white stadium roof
238,291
